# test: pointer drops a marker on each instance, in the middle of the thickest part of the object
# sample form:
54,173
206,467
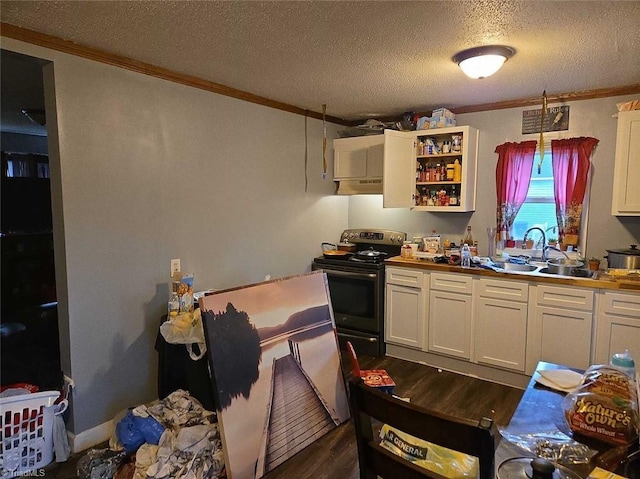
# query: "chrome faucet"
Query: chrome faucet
544,237
546,248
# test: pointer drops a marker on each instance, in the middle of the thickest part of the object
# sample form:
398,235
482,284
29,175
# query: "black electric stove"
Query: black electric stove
356,286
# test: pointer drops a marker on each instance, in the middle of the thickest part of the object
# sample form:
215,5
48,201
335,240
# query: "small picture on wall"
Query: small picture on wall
276,370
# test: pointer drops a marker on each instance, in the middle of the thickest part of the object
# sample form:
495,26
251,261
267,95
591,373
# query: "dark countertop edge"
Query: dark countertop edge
531,278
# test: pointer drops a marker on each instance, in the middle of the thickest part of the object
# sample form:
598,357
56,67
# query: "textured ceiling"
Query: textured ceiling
364,58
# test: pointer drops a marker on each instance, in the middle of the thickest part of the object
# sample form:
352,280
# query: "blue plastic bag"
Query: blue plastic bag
129,434
133,431
150,428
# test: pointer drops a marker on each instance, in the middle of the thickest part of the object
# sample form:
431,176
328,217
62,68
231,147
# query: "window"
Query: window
539,208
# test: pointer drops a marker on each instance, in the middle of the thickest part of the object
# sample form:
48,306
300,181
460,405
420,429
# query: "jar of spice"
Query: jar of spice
450,172
405,250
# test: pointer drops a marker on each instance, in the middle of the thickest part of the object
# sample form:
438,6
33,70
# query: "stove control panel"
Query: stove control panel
373,236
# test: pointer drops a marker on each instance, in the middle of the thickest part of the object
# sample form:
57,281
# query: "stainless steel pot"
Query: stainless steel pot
370,254
563,266
624,258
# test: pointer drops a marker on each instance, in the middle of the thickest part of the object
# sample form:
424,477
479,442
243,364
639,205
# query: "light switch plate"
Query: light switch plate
175,266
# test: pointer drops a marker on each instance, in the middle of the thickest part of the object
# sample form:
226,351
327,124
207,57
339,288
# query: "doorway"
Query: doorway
29,317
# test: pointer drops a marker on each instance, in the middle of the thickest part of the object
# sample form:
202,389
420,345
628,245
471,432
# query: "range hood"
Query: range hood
360,187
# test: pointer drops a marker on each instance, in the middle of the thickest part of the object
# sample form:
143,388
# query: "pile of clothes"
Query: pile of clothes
172,438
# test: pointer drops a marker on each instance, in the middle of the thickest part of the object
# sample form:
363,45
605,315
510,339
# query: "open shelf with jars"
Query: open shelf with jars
431,170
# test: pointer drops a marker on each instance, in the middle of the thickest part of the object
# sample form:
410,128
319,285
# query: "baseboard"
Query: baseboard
496,375
91,437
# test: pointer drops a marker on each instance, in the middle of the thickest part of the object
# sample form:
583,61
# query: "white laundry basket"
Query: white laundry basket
26,432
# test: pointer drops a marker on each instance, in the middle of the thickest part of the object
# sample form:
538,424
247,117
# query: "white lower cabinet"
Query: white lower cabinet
618,326
450,309
405,304
500,323
506,326
562,321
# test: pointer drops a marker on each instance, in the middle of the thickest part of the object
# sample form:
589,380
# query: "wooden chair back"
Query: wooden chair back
369,405
355,365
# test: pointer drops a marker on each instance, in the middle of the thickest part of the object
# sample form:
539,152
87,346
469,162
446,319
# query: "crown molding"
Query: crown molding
66,46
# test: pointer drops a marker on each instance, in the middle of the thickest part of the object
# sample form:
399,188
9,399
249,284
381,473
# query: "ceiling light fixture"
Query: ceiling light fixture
484,61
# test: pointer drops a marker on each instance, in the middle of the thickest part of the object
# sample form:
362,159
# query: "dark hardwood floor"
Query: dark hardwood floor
334,455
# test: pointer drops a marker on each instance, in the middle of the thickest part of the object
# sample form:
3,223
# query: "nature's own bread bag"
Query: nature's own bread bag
604,406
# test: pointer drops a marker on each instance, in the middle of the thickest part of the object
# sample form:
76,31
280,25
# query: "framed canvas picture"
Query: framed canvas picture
276,369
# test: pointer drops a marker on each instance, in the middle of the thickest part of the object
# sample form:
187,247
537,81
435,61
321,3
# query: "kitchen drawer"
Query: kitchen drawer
569,298
621,304
454,283
500,289
404,277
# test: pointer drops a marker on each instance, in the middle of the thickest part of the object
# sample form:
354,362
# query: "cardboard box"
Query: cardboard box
443,112
441,122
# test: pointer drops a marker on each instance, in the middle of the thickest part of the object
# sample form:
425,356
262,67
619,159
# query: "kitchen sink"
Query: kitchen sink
576,273
523,268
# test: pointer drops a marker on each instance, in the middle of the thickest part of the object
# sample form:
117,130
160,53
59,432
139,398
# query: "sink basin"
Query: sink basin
575,273
524,268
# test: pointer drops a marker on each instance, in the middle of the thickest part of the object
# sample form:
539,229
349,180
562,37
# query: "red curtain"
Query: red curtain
513,174
571,161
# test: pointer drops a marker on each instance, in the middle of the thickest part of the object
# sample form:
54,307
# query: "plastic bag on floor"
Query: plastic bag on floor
99,464
128,434
133,431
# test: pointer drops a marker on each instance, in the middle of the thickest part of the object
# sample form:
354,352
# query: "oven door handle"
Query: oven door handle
347,274
362,338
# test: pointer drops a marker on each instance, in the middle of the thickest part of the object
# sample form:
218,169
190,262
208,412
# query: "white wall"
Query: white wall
586,118
150,170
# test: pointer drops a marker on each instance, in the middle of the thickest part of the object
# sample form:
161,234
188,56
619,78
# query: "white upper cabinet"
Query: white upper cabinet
626,176
422,178
399,169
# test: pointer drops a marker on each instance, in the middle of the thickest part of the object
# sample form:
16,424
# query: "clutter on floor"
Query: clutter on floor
174,437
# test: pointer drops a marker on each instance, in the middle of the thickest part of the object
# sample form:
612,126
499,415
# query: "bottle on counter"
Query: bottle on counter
468,237
625,363
465,254
173,306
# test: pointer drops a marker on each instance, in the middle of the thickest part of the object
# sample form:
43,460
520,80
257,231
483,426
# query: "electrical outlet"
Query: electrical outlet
175,266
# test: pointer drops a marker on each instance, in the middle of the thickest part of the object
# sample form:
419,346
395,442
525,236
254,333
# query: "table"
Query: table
540,410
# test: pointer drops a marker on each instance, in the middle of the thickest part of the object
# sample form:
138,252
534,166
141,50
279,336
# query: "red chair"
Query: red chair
375,378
